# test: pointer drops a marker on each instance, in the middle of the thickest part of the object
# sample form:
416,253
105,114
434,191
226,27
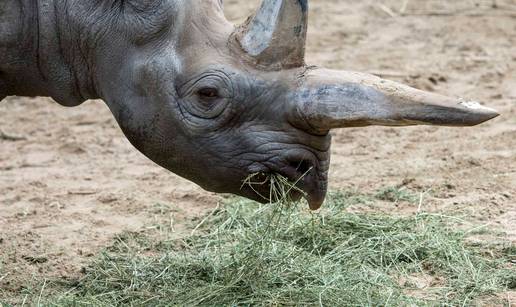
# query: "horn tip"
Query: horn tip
482,113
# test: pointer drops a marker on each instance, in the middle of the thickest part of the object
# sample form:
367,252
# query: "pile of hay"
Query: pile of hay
281,254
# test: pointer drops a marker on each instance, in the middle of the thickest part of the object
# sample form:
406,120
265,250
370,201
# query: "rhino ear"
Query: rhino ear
275,36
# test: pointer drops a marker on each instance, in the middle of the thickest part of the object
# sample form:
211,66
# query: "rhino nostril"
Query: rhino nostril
302,167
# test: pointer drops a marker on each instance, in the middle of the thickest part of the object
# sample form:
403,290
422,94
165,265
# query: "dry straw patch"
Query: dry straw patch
280,254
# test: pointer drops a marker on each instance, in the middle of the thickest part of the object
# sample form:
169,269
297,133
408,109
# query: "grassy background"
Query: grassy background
245,253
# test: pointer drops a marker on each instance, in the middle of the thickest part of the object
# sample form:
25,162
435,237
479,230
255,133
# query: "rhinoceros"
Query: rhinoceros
203,98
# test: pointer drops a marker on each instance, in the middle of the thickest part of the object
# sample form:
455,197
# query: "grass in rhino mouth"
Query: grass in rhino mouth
280,189
280,254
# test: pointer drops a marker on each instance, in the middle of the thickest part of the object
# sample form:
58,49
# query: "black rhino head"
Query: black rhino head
214,103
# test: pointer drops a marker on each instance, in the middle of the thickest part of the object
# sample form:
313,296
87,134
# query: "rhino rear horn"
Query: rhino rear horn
275,36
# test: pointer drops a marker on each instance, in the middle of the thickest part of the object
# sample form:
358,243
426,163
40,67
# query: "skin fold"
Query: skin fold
203,98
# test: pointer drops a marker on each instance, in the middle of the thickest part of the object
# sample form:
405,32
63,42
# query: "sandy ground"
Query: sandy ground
70,181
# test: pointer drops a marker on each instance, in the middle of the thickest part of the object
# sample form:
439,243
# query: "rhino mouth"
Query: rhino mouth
302,175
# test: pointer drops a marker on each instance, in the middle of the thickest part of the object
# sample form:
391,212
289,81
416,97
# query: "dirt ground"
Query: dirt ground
70,181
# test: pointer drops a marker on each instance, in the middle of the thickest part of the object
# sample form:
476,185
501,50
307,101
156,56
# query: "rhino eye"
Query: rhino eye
208,93
207,96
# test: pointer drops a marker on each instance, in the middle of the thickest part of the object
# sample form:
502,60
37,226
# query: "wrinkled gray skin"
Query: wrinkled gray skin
190,98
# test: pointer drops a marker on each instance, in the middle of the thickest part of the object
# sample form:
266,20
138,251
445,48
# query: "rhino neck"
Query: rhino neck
19,74
41,52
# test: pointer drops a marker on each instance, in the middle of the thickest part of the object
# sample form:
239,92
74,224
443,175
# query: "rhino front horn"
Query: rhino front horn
275,37
329,99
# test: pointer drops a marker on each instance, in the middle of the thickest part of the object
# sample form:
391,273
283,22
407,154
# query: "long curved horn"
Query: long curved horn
275,37
330,99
